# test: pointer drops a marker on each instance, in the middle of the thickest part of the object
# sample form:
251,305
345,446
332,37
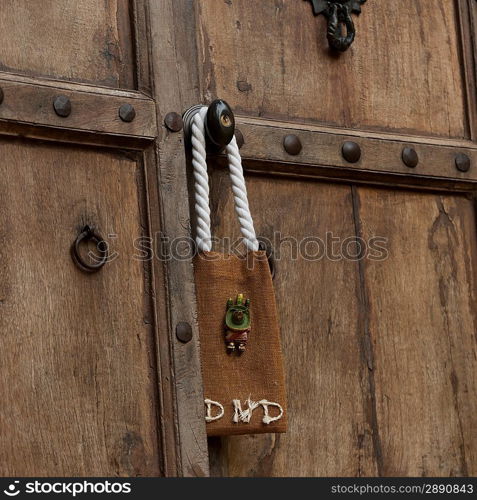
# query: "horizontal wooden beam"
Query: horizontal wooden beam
381,155
27,110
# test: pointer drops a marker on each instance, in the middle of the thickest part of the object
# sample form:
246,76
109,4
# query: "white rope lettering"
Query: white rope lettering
266,418
245,415
208,416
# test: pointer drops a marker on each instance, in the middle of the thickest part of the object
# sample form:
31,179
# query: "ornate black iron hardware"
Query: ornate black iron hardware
338,13
97,261
219,124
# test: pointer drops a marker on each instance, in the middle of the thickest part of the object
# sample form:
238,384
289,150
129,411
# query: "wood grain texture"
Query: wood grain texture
329,406
78,380
27,110
466,16
407,80
381,355
271,59
422,320
175,74
94,38
373,392
381,154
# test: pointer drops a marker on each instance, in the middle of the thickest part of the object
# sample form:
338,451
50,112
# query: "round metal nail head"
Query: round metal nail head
292,144
173,121
184,332
62,106
462,162
127,113
410,157
351,151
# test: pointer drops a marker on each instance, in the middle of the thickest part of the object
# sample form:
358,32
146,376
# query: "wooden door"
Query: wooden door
86,381
379,334
378,329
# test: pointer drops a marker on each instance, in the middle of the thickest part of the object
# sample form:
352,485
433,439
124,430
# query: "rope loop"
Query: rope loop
201,178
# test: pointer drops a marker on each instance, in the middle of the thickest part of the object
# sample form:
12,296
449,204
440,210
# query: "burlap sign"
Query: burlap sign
242,366
251,383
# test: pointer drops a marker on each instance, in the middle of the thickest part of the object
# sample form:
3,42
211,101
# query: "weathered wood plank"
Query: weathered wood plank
320,309
381,154
77,371
413,313
402,73
466,12
87,40
27,110
175,75
422,321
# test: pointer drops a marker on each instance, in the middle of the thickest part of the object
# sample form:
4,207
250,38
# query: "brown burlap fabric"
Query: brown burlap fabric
257,373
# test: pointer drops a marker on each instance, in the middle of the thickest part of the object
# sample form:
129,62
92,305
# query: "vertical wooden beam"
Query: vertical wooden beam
466,16
174,84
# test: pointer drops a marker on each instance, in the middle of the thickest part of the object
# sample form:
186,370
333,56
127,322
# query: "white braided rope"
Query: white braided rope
202,209
199,164
240,196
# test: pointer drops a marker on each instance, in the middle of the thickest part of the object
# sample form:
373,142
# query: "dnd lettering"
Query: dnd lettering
243,413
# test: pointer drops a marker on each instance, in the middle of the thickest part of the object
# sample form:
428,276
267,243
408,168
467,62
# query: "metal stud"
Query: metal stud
184,332
462,162
351,151
127,113
410,157
292,144
62,106
173,121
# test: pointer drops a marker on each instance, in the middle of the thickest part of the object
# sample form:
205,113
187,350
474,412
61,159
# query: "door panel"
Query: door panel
380,353
94,38
78,384
331,425
91,389
403,73
422,320
375,347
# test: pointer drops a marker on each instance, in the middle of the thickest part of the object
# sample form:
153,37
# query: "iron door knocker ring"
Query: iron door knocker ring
339,17
341,31
97,261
